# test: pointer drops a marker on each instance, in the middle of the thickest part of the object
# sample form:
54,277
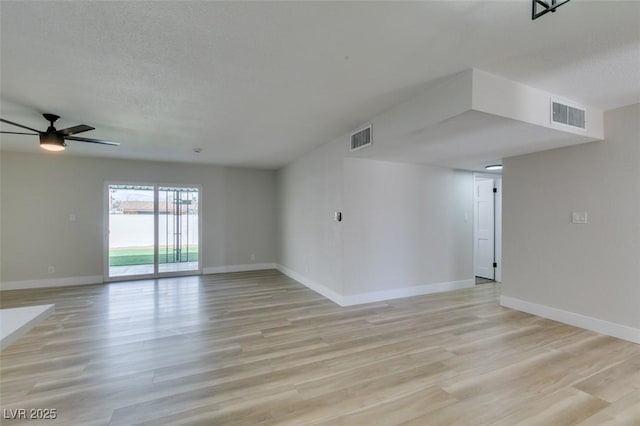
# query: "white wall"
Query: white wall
375,259
39,191
588,274
309,192
405,226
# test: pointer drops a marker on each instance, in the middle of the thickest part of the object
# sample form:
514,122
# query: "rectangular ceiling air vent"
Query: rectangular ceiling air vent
567,115
361,138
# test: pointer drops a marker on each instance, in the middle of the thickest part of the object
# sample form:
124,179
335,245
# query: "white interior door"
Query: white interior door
484,224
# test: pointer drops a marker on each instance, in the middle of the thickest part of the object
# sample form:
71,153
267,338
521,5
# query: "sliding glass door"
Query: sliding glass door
152,231
178,246
131,233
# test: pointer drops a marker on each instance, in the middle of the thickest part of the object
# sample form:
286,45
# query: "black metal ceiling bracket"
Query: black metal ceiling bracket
546,6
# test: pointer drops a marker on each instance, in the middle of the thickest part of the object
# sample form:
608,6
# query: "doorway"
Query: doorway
487,228
152,231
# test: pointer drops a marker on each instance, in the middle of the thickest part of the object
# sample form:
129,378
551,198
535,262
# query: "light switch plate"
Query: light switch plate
579,217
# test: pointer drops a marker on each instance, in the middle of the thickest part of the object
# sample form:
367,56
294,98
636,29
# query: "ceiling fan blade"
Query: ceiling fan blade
75,138
20,133
19,125
76,129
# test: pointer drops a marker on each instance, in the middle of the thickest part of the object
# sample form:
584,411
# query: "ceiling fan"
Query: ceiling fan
54,140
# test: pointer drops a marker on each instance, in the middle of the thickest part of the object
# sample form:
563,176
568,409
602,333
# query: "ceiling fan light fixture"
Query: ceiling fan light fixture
52,142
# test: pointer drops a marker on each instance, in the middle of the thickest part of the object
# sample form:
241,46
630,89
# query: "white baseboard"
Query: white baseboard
317,287
613,329
52,282
399,293
374,296
99,279
238,268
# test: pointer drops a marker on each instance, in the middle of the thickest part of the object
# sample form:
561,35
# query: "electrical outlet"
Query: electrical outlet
51,269
579,217
252,257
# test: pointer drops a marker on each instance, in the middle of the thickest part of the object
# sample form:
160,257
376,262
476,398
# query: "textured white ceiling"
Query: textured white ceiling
259,83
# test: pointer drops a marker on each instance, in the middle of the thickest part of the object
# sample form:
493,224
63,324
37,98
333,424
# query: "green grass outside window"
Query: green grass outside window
144,256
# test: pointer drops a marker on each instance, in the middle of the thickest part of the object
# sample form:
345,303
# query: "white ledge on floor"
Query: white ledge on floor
15,322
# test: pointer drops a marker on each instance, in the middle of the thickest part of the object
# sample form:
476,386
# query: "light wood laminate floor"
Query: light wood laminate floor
259,348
